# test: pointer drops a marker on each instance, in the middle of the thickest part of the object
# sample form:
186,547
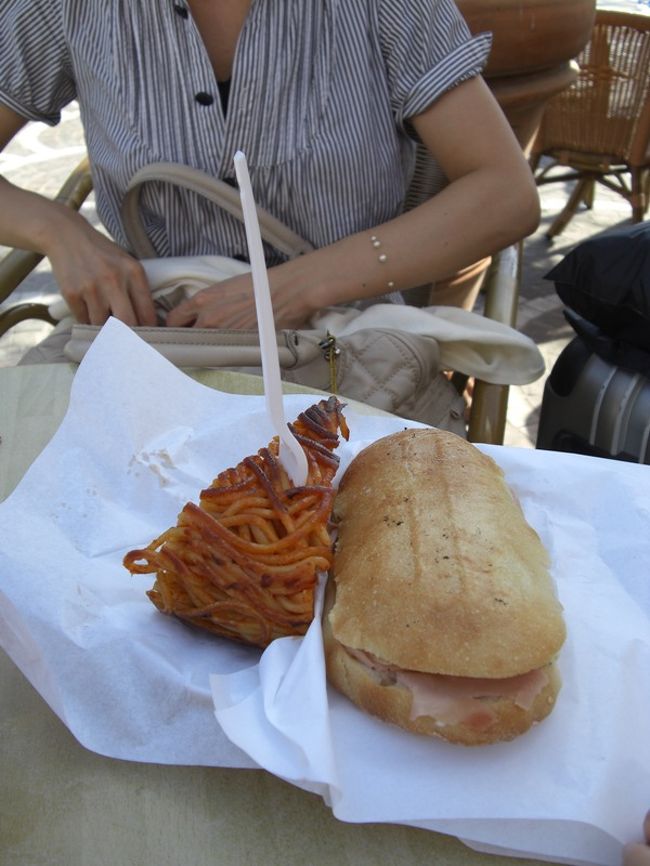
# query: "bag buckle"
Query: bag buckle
330,353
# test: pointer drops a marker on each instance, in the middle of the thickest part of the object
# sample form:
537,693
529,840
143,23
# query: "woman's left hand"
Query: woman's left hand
638,854
231,304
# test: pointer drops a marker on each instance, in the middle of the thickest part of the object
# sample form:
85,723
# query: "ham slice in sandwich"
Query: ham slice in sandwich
441,615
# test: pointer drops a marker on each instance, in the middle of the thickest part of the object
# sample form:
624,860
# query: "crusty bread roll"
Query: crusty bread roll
437,572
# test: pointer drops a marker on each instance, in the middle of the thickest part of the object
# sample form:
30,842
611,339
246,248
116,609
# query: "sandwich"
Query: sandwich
441,615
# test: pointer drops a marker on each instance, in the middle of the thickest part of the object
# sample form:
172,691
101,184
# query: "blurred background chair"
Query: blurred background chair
599,127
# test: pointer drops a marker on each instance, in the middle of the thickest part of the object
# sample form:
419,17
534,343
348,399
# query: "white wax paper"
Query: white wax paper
140,439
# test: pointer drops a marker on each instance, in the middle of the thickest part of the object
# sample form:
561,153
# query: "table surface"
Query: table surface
61,804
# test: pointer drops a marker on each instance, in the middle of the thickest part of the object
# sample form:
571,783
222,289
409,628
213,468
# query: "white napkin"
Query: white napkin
287,725
574,788
139,439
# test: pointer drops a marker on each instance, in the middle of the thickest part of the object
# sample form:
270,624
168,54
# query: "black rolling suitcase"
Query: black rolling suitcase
597,397
591,406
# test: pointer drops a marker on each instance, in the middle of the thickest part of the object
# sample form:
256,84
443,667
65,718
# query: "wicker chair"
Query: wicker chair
599,127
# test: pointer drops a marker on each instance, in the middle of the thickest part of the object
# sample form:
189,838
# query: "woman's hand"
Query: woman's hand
96,277
638,854
231,303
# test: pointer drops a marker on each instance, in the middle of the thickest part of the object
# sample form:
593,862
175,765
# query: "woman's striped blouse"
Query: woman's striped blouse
320,99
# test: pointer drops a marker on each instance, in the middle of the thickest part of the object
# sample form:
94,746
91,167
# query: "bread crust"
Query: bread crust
392,702
436,568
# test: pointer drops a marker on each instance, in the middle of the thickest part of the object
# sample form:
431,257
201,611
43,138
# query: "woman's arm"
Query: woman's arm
490,202
96,277
638,854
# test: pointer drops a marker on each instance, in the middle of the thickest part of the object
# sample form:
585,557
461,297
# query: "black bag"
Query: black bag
606,280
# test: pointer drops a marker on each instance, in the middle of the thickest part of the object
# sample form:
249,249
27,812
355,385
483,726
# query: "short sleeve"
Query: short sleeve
427,49
35,71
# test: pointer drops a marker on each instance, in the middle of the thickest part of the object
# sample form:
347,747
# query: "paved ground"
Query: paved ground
40,158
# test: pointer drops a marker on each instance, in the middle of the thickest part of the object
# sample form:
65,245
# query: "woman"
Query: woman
327,99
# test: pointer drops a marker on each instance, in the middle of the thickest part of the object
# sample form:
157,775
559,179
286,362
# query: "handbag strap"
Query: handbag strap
217,191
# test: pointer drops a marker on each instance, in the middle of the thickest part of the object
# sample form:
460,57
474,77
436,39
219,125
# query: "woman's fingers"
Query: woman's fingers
229,304
101,295
76,303
182,316
636,855
131,301
98,279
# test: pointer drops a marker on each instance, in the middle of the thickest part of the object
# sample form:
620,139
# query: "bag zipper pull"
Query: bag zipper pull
330,352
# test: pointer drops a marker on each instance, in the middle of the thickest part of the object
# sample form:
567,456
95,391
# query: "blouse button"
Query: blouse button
181,10
204,98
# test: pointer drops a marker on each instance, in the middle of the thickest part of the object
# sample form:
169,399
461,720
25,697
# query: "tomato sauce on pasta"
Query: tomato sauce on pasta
244,562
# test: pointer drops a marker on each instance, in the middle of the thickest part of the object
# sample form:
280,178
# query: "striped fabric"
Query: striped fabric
320,101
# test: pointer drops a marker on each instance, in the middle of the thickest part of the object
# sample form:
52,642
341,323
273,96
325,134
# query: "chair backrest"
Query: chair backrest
606,111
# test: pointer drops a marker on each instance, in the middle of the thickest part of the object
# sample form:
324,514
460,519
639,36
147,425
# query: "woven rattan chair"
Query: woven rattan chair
599,127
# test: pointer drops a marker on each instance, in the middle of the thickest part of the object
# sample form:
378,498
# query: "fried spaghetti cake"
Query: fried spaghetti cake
244,562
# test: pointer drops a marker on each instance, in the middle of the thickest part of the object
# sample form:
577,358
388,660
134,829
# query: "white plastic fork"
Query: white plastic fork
291,454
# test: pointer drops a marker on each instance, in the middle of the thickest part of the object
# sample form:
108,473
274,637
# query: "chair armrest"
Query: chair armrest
487,421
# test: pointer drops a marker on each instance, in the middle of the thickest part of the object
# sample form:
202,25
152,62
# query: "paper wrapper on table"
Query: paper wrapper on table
139,440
